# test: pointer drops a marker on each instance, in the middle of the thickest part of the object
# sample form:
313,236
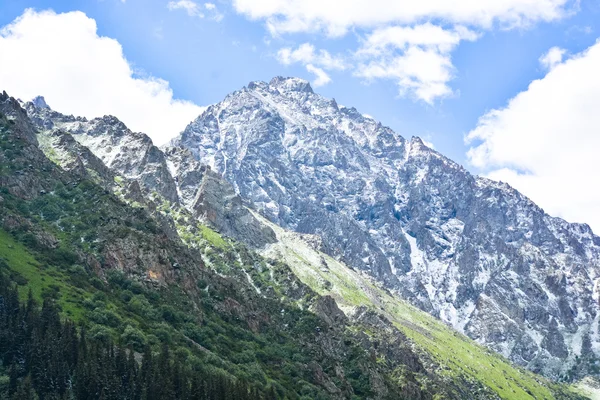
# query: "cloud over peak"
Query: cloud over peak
395,40
417,58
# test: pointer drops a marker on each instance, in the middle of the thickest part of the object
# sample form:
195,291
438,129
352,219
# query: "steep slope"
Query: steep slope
415,356
119,273
473,252
362,297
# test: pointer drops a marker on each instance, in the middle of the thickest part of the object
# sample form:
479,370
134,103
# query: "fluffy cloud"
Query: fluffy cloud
61,57
416,58
306,54
321,76
552,58
398,45
336,18
426,35
313,60
546,141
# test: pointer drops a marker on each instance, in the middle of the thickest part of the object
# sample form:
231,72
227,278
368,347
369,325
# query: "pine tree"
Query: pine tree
25,391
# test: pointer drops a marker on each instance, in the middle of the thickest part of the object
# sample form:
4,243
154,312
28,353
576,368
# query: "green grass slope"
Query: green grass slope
460,357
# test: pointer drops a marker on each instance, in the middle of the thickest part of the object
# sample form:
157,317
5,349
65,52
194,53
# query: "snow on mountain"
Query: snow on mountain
130,154
474,252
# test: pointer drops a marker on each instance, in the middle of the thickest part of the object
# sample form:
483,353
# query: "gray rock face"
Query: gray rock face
218,204
40,102
187,172
23,154
11,108
104,148
474,252
130,154
279,158
74,157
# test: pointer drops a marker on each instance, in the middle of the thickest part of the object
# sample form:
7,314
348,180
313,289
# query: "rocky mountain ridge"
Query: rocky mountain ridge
130,263
473,252
108,262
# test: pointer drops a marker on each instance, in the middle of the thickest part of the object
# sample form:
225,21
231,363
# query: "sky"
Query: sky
507,88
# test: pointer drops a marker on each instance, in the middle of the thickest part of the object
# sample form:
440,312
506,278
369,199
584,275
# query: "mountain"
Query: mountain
475,253
265,305
112,264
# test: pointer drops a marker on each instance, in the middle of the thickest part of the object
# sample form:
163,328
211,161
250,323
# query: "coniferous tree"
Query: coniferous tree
25,390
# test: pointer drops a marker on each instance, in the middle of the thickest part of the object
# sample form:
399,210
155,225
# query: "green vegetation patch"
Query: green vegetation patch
43,281
213,237
460,358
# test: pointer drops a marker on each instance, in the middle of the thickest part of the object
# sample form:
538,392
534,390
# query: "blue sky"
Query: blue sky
204,57
203,60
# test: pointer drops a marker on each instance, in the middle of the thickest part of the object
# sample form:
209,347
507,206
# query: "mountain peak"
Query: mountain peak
418,222
291,84
40,102
417,141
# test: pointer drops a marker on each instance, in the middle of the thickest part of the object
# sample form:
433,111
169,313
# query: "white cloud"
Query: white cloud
552,58
422,73
425,35
321,76
336,18
193,9
416,58
306,54
546,141
314,61
399,45
61,57
428,144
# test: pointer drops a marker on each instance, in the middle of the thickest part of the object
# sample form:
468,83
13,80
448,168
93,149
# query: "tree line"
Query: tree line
48,358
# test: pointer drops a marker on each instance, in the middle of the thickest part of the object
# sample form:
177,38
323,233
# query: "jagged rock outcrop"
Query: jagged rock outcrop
74,157
217,203
104,149
129,154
